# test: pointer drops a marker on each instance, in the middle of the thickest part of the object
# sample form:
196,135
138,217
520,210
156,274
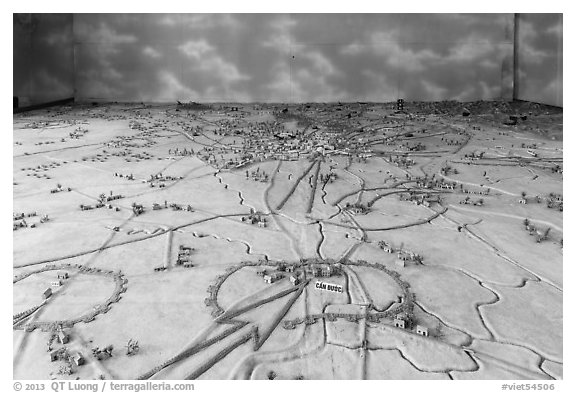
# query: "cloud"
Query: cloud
468,51
151,52
169,20
207,59
57,37
388,46
556,30
527,36
282,87
433,91
173,89
379,87
488,92
321,63
200,21
103,34
280,37
92,84
336,57
196,49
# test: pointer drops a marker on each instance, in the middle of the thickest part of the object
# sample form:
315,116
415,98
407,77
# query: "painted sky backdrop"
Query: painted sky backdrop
290,57
43,57
540,56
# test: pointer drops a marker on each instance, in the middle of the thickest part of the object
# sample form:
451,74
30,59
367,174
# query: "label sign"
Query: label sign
326,286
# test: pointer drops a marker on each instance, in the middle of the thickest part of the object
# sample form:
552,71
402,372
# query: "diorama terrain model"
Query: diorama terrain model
403,240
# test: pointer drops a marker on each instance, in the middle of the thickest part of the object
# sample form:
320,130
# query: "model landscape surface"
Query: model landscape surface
314,241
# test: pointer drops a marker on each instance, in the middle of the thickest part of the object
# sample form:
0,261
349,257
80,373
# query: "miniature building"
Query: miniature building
401,262
78,359
402,255
422,330
63,275
289,324
137,209
103,355
400,321
47,293
327,270
290,268
314,270
271,278
185,252
63,338
387,248
294,280
54,355
56,283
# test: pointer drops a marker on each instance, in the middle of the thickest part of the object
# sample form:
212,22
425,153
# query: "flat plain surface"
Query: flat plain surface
489,294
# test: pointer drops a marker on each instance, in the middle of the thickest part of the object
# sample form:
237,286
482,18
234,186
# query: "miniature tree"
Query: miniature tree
132,347
108,349
65,369
50,341
526,222
438,331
